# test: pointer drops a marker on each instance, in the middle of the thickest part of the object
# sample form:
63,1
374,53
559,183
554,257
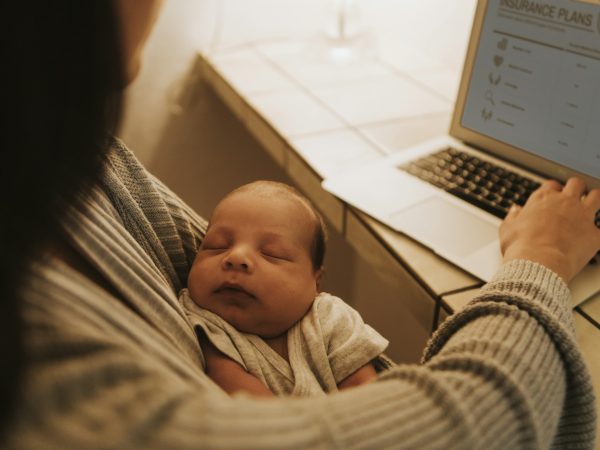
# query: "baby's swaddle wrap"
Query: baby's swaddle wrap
327,345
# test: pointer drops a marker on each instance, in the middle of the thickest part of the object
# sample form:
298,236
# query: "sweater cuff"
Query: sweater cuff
532,282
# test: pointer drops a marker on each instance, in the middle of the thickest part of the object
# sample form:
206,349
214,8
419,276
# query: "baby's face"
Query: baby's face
254,268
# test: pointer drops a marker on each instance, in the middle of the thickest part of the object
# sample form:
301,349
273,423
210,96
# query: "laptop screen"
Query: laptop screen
535,80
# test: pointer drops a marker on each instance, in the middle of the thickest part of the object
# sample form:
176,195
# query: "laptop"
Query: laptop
528,108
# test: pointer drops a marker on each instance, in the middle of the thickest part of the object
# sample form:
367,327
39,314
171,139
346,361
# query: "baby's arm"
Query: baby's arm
348,341
230,375
363,375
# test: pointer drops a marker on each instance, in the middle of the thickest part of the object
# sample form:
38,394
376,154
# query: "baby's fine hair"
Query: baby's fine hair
319,244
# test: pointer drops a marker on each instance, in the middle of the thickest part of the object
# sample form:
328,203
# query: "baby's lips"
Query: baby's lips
234,287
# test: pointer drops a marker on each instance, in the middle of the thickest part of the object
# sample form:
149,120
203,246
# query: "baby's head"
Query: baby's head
261,261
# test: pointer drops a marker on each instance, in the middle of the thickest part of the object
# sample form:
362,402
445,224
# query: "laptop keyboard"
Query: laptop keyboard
479,182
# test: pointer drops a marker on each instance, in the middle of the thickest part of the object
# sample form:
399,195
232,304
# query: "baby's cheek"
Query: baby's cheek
197,283
193,275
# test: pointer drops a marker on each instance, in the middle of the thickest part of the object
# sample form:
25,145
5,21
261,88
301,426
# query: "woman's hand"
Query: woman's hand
555,228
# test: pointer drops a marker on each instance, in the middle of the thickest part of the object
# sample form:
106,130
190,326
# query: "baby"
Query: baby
253,297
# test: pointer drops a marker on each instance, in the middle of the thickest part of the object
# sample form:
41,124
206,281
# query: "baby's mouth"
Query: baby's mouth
233,289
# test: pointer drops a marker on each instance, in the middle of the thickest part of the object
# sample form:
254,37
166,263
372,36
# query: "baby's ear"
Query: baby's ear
318,277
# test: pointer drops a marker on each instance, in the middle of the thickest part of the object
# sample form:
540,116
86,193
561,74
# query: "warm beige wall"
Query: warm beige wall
184,27
168,54
202,152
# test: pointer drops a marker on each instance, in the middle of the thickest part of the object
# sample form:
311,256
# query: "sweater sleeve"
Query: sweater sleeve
110,372
508,366
497,375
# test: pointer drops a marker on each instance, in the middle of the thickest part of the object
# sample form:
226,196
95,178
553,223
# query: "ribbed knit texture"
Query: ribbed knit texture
125,371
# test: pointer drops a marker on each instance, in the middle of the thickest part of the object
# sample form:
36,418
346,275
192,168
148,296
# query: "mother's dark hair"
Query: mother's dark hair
62,72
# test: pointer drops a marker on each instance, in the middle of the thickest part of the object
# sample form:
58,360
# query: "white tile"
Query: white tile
397,135
444,81
332,152
281,50
380,98
403,56
315,62
294,113
250,73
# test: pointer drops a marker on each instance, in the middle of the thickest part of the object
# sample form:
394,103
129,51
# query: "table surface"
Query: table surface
319,109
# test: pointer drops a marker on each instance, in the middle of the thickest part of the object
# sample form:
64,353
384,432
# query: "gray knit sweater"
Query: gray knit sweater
122,369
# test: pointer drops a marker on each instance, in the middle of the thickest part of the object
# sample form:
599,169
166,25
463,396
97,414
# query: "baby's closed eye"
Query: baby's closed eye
211,243
276,252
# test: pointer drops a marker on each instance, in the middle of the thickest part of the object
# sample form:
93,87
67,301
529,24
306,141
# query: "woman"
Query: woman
97,352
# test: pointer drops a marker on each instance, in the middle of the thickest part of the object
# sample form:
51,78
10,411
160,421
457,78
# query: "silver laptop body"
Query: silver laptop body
528,102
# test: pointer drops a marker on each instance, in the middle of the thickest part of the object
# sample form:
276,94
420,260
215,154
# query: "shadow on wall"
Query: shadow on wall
204,152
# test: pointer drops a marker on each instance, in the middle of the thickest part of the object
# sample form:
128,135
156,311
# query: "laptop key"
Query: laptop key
486,206
479,182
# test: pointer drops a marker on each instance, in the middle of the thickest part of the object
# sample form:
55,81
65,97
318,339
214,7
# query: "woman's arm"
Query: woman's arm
501,374
504,373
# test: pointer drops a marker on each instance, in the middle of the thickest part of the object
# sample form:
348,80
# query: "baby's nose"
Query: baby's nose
237,259
229,264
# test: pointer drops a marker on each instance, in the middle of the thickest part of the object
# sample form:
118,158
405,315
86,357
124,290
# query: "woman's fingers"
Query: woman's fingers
552,185
592,203
513,212
575,187
592,200
554,228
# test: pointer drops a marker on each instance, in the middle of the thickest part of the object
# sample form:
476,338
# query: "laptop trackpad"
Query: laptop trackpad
445,227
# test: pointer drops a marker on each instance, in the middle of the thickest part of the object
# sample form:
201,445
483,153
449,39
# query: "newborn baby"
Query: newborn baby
253,297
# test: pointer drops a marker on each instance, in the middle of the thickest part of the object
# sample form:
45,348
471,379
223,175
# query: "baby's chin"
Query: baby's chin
241,319
243,325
